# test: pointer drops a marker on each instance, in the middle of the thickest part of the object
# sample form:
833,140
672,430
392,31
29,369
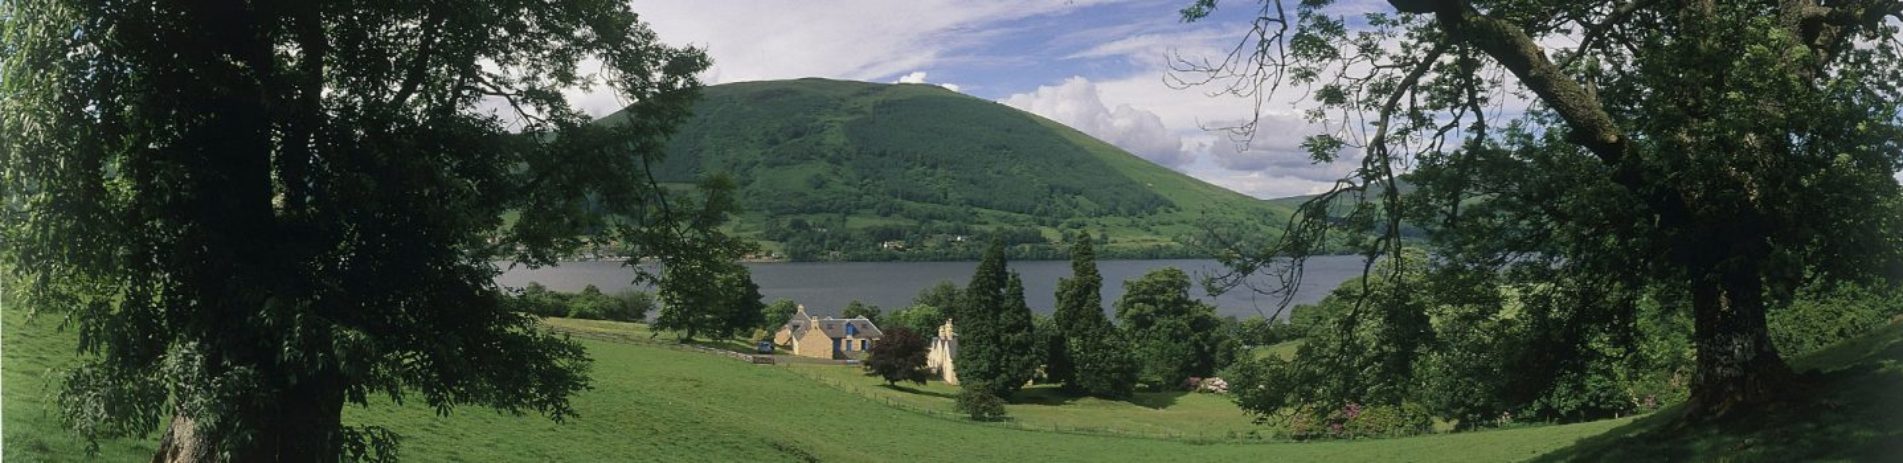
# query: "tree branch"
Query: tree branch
1591,126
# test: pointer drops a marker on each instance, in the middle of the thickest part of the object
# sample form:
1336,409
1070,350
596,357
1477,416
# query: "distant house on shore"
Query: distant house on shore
827,338
944,349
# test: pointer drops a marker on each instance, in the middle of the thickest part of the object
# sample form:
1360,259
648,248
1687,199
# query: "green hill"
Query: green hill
833,170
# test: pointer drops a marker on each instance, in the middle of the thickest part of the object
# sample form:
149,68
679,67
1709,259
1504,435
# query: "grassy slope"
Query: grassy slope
1853,412
651,403
654,403
1200,417
1196,197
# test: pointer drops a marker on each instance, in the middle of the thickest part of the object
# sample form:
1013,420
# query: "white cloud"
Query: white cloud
868,40
1077,103
1263,184
918,77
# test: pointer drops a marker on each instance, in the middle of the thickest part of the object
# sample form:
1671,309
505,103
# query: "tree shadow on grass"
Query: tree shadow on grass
1043,395
1849,412
916,391
1157,400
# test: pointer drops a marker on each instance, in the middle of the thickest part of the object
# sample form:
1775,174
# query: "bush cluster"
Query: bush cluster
1355,420
589,304
977,402
1482,353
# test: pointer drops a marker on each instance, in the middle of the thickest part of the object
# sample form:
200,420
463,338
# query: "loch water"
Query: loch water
826,287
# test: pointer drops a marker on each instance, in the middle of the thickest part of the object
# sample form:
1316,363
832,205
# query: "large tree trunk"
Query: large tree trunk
1737,365
302,425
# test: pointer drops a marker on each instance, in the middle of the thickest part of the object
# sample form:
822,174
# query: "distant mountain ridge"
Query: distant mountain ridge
842,170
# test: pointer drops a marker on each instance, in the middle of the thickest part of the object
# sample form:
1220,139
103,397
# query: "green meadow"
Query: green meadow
655,401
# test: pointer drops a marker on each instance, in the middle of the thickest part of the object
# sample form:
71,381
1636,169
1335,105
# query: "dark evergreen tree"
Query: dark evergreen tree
1086,336
996,342
1017,334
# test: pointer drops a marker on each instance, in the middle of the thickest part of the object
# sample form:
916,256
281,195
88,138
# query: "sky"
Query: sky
1096,65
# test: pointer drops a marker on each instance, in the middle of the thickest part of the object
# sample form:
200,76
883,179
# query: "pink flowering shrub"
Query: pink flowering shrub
1356,420
1213,386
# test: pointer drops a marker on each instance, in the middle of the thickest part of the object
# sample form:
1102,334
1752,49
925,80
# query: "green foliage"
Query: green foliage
589,304
860,309
251,225
1825,313
920,318
1079,308
716,299
1719,156
1356,421
626,305
1257,331
977,402
942,295
778,313
1175,336
900,356
1102,363
997,347
1498,353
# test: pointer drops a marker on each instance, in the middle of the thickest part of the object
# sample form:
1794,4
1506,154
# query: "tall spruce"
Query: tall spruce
996,342
1017,332
1075,297
1082,326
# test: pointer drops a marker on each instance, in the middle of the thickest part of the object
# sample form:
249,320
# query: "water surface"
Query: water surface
826,287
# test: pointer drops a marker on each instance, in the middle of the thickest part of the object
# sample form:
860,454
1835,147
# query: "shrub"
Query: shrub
977,402
630,306
1823,314
1356,420
538,300
589,304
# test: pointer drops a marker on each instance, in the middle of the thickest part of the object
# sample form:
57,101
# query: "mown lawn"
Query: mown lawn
1178,415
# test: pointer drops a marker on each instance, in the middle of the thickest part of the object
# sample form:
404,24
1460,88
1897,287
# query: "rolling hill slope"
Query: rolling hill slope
835,169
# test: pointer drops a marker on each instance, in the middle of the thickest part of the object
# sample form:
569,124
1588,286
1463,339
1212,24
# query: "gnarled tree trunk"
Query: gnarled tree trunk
1737,364
302,425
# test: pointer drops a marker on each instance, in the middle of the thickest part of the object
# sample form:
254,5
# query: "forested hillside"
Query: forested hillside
839,170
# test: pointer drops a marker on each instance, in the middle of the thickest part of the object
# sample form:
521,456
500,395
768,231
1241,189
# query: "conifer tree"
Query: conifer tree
1078,298
1089,359
995,335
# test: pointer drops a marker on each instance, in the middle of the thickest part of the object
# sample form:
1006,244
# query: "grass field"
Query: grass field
652,402
1172,415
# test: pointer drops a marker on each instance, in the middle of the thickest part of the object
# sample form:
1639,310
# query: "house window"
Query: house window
862,344
848,345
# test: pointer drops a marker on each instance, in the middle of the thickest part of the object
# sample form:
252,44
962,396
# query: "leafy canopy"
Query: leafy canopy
1727,152
253,213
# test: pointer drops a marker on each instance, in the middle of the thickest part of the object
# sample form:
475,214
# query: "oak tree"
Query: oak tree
1727,151
255,213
